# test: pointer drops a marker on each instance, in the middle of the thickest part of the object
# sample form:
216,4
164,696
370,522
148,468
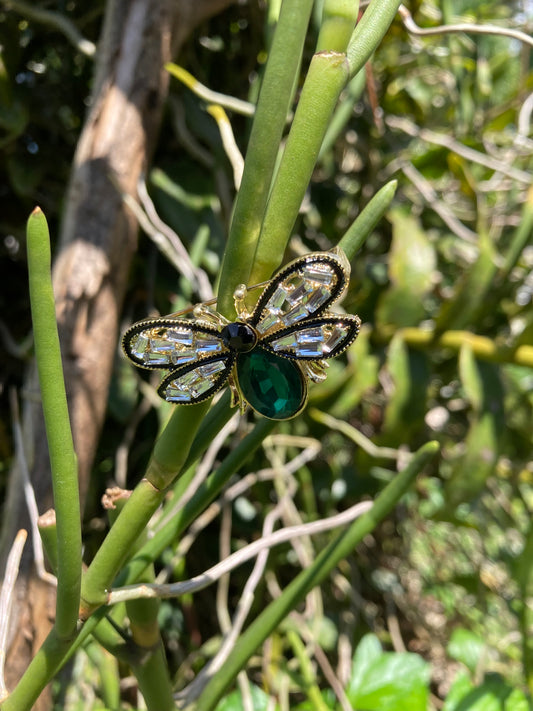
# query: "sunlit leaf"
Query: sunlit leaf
466,647
387,681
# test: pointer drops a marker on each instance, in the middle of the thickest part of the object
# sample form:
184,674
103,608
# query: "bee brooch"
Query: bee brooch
266,355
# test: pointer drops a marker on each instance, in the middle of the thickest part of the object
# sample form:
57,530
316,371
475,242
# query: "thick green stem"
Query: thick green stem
267,130
38,673
327,76
130,524
63,462
172,448
296,591
154,683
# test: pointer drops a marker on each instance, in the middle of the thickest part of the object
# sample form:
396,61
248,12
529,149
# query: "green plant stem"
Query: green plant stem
343,113
327,76
108,671
172,448
482,347
63,462
362,226
310,685
154,684
369,32
170,454
115,549
267,130
338,22
314,575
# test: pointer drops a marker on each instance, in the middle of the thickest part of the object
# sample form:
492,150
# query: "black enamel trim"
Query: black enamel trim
182,370
163,322
334,319
293,267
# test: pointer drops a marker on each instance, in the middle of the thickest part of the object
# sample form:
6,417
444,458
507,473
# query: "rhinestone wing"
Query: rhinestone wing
291,315
315,338
304,288
198,360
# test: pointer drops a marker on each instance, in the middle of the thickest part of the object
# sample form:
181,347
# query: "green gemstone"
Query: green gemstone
272,385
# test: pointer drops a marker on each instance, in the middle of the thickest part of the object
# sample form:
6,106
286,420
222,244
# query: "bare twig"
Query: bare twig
234,628
229,143
524,121
199,582
394,626
467,27
209,515
31,503
208,95
53,19
446,141
6,600
425,188
168,241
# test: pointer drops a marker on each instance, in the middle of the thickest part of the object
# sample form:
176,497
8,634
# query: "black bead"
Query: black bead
239,337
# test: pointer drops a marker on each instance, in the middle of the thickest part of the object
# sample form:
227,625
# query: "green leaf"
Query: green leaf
387,681
406,408
482,382
412,256
368,651
411,272
466,647
471,291
471,377
494,694
234,702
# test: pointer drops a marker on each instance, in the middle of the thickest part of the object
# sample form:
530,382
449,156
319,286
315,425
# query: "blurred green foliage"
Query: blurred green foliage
455,257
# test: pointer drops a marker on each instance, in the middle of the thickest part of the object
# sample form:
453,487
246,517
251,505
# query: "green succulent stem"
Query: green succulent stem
369,32
361,228
327,76
63,461
267,129
483,347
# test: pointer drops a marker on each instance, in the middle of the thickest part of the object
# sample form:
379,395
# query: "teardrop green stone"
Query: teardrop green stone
274,386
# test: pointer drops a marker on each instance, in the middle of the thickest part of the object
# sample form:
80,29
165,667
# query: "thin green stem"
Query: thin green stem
483,347
63,462
306,668
342,546
369,32
154,683
362,226
267,130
